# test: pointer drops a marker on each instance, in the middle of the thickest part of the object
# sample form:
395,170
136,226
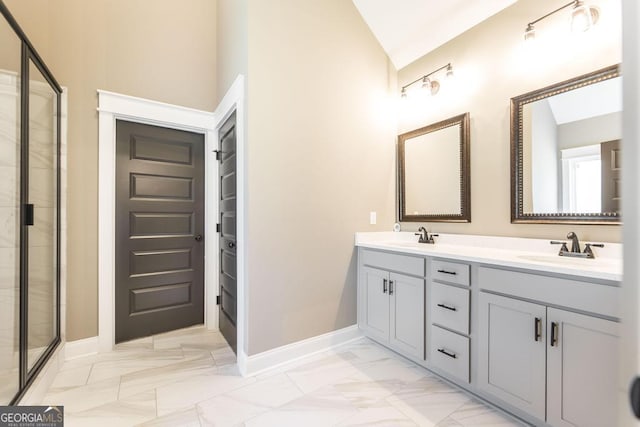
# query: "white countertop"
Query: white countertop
531,254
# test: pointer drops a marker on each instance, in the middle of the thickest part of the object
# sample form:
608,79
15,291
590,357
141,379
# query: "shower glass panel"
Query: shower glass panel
42,194
10,48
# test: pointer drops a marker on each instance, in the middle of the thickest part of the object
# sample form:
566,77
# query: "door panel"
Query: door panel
511,359
228,239
376,300
159,214
407,314
581,387
42,236
611,163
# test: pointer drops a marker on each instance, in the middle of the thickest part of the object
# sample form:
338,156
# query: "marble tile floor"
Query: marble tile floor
189,378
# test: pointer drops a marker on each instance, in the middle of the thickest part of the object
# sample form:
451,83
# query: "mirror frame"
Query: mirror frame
465,172
517,104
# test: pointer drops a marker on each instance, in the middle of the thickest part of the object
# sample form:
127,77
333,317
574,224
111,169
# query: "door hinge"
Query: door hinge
28,214
217,228
217,299
218,154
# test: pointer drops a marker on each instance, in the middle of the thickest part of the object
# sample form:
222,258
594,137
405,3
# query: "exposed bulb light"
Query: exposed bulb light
529,33
583,17
428,84
435,87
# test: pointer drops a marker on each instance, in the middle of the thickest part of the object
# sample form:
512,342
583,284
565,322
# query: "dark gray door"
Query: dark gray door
159,225
227,207
611,161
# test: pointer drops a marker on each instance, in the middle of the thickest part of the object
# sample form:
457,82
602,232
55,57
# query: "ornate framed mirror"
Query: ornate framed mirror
433,172
565,151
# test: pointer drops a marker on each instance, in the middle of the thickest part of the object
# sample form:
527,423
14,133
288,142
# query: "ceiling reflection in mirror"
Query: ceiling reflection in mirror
568,150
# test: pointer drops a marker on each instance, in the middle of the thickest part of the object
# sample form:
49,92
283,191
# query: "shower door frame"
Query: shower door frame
30,55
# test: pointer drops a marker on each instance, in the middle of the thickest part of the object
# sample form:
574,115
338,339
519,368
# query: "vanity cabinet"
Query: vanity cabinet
581,370
554,364
512,352
391,306
449,309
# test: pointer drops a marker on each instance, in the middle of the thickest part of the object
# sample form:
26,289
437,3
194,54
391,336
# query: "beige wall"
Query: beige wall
231,38
492,64
145,48
320,157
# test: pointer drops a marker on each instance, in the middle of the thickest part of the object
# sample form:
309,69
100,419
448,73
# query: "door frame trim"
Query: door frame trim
234,100
111,107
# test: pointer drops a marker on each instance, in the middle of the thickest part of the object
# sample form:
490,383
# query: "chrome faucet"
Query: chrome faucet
424,236
575,243
575,247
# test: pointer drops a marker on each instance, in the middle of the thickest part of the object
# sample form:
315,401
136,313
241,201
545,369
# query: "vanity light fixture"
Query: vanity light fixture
583,17
429,83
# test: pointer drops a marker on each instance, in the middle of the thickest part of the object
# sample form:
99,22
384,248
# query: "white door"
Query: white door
407,314
582,364
512,352
376,303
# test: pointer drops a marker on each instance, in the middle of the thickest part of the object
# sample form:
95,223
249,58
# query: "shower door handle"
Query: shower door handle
28,214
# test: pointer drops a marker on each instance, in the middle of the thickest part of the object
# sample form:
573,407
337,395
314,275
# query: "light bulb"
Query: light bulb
435,87
583,17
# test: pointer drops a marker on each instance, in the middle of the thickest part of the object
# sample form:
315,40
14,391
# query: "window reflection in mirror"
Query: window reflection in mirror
565,151
569,143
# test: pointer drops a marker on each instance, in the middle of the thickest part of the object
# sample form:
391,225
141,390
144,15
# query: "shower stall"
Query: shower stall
30,101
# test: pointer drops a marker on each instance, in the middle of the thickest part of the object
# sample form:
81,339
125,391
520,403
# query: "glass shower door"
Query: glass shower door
42,233
10,48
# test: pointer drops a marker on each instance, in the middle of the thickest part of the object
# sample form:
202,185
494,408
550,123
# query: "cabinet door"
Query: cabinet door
581,370
407,314
375,318
512,352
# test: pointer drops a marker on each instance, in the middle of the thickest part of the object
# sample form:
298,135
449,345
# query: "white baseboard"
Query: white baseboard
80,348
261,362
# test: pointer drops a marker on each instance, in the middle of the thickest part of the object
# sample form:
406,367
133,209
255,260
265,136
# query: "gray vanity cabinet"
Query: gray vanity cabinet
391,304
539,358
512,352
581,370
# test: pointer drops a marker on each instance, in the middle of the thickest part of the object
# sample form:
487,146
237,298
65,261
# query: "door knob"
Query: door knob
198,237
634,396
231,245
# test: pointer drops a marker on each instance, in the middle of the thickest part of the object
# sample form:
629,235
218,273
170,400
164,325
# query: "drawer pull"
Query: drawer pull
446,353
554,334
453,273
537,326
390,287
446,307
384,286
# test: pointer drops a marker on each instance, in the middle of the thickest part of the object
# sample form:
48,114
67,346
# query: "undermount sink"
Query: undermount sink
560,260
404,243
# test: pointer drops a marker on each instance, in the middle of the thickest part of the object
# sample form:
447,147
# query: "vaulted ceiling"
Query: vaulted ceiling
409,29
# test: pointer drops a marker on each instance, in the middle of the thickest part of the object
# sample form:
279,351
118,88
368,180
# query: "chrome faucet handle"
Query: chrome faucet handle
588,251
563,248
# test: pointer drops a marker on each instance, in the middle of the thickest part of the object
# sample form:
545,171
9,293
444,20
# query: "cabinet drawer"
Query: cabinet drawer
451,272
414,265
450,307
450,352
